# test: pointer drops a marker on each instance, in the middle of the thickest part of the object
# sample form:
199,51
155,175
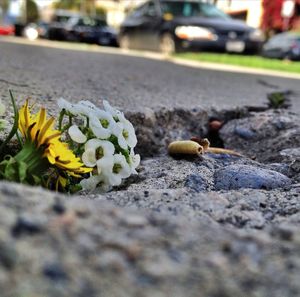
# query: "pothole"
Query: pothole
257,190
269,141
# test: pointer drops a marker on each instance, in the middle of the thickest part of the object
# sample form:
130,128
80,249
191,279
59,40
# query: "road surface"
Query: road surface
129,82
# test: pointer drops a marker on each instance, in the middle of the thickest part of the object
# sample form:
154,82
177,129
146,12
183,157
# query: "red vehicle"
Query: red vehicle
273,18
7,29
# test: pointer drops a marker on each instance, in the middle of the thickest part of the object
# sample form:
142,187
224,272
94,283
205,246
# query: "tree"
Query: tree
68,4
4,5
32,12
85,6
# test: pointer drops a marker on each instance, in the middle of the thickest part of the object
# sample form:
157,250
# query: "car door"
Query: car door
274,48
147,32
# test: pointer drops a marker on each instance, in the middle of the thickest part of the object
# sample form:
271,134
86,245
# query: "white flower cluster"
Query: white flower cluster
107,140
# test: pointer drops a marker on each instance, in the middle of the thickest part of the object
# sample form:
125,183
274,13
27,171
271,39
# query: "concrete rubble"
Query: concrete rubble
216,225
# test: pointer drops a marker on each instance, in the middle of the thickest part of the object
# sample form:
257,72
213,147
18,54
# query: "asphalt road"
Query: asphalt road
128,82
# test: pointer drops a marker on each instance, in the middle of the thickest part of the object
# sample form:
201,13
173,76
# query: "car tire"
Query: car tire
167,44
104,41
124,42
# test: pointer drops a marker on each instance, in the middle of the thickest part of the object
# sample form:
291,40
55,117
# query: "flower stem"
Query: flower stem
60,119
15,125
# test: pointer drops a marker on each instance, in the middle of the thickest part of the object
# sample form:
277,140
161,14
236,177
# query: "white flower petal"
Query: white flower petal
114,112
86,108
135,160
90,184
98,130
121,140
114,179
64,104
131,138
105,165
121,160
89,158
107,146
76,135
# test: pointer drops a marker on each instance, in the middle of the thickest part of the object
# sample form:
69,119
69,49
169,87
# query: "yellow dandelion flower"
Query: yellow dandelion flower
43,147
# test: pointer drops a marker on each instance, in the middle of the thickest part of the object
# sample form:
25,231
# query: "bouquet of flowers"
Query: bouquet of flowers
91,147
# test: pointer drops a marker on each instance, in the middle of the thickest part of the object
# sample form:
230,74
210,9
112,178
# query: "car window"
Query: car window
140,11
191,8
100,23
277,40
86,21
211,11
150,9
61,18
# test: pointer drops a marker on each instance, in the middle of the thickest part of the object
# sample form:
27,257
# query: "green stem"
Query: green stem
19,139
66,127
15,125
70,120
60,119
32,157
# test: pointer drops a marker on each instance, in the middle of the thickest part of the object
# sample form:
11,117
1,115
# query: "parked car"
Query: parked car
90,30
6,29
43,29
176,25
283,46
56,28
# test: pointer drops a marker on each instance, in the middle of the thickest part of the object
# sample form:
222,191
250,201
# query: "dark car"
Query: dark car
283,46
90,30
176,25
56,28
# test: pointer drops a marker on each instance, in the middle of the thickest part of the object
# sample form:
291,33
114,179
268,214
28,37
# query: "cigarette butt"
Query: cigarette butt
185,147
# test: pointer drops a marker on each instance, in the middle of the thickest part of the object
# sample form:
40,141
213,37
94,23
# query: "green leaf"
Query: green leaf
75,188
22,170
36,179
14,129
10,171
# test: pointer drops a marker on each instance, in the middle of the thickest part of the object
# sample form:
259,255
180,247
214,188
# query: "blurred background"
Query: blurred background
169,26
271,15
70,48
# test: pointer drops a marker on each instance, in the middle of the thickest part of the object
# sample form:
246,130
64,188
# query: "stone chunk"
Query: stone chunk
246,176
196,182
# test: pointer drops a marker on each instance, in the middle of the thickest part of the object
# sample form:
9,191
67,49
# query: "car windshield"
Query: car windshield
192,8
61,18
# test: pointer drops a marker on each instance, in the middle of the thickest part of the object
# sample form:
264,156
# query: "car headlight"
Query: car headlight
193,32
31,32
257,35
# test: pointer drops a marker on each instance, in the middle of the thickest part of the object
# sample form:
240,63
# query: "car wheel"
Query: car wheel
104,40
167,44
124,41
